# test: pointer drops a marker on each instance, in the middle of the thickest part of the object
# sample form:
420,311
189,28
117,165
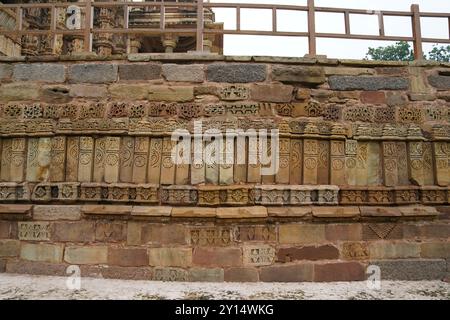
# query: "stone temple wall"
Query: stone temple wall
87,177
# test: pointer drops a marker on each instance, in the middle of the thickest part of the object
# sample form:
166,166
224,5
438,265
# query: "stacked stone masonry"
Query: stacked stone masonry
87,175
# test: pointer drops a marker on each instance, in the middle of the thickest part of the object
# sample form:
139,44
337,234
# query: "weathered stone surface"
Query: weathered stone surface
35,267
126,273
236,73
324,252
339,71
34,231
128,257
293,273
396,250
422,96
289,211
380,212
74,231
170,274
350,232
440,82
51,212
7,228
241,275
6,71
258,255
271,92
368,83
339,271
134,71
171,94
184,73
42,252
298,74
88,91
411,269
435,250
92,73
333,212
2,265
170,257
217,257
45,72
9,248
55,94
86,255
242,212
374,97
194,212
355,251
301,233
151,211
19,91
394,99
206,275
106,210
164,234
128,91
110,231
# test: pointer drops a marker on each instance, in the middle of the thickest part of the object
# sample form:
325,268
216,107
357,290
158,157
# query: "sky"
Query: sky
326,22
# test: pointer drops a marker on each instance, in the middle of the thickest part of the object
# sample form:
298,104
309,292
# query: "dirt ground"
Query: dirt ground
44,287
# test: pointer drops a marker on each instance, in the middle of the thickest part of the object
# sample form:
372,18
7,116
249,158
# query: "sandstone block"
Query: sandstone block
88,91
236,73
110,231
92,73
241,274
293,74
128,91
9,248
324,252
18,91
390,250
107,210
139,211
36,267
74,231
292,273
206,275
7,228
170,257
193,212
435,250
86,254
333,212
128,257
355,251
164,234
126,273
373,97
347,71
301,233
241,212
339,271
336,232
45,72
134,71
272,92
53,212
171,94
42,252
6,71
220,257
184,73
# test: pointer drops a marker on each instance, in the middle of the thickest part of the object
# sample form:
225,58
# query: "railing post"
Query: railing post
87,26
417,32
311,28
200,25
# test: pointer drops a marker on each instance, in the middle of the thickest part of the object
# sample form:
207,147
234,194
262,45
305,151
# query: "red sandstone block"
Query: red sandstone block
345,232
163,234
35,267
127,273
220,257
74,231
339,271
435,231
241,275
127,257
323,252
375,97
435,250
110,231
290,273
6,228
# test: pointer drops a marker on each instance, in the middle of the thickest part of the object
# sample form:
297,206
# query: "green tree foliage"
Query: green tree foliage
440,54
402,51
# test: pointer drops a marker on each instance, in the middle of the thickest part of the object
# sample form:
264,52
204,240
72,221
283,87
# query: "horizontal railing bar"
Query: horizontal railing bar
255,6
256,32
144,31
434,40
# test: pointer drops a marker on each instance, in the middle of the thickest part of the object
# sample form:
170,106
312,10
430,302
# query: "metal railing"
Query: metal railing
88,30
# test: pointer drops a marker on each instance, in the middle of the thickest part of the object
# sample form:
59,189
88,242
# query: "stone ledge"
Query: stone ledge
174,57
224,212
